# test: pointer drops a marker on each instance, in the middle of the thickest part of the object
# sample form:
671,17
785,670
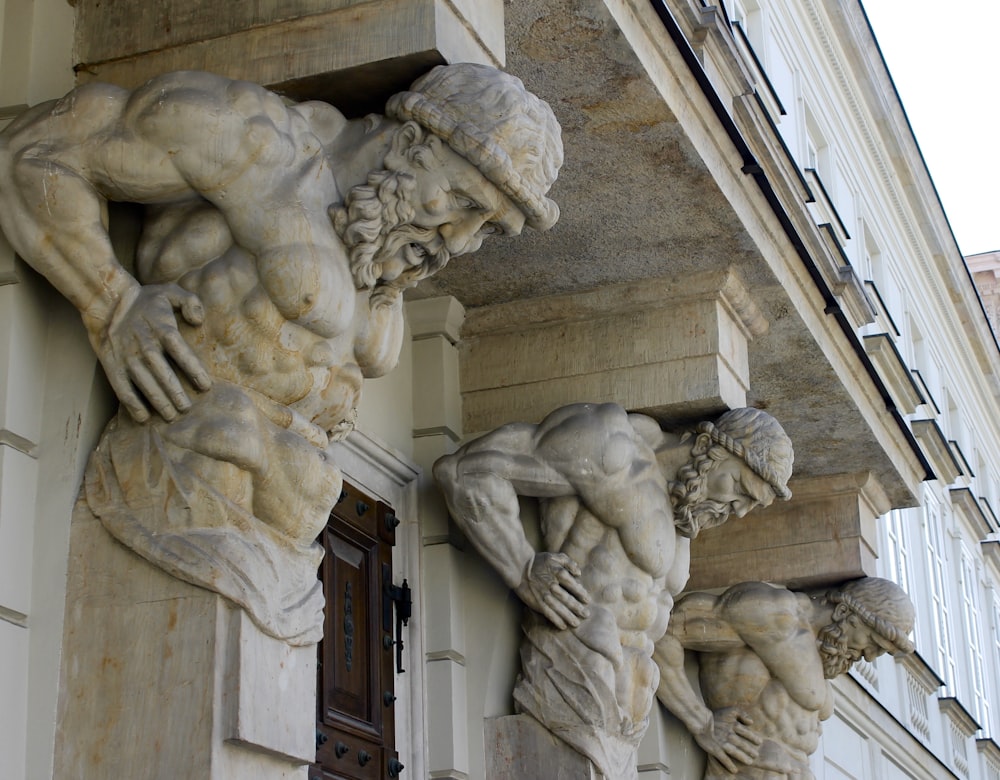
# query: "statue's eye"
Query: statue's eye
465,202
491,229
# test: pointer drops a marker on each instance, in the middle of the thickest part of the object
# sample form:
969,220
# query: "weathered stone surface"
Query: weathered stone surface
825,534
264,291
671,351
765,655
619,500
351,53
162,679
518,747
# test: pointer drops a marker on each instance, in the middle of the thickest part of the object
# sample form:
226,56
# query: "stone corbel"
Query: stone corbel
673,349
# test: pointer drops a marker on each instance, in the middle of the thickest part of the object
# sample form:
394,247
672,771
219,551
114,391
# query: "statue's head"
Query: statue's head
871,616
474,154
741,461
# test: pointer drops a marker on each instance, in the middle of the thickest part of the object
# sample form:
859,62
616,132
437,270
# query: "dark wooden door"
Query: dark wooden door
355,728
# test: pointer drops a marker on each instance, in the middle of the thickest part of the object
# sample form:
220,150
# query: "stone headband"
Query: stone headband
757,460
899,641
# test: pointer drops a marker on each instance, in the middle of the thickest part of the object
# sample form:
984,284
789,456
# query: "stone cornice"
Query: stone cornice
882,350
614,299
989,749
921,671
936,448
958,715
964,500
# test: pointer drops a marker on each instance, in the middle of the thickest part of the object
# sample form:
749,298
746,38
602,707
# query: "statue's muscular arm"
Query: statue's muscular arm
697,623
180,137
481,483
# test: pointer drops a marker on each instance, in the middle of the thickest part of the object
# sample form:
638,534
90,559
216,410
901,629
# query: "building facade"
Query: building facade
746,221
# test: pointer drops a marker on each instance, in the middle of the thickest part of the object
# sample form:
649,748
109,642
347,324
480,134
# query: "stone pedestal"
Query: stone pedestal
164,680
519,748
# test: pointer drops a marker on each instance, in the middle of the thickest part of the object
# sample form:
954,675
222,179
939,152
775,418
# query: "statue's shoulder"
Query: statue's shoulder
760,604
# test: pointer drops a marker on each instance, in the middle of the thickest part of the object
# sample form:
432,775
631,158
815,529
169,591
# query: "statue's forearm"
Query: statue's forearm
675,691
55,220
485,508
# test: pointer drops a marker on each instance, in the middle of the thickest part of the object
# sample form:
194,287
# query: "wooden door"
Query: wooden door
355,727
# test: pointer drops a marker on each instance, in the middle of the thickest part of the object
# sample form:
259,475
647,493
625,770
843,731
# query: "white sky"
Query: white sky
945,61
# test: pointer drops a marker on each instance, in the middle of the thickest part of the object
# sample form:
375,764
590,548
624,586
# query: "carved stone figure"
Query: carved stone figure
765,655
620,500
283,235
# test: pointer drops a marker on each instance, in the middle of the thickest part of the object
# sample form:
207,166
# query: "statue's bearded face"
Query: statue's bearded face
709,489
834,652
429,204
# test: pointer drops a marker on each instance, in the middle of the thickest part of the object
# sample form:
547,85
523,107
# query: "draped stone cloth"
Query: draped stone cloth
149,497
570,689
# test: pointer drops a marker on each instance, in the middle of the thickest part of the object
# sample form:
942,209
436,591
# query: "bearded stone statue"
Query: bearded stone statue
276,243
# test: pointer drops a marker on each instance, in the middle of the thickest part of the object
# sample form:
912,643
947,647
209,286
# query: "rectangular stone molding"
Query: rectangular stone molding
826,533
161,679
667,350
344,51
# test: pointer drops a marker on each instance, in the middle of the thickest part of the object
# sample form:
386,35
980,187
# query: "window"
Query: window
973,633
897,550
937,566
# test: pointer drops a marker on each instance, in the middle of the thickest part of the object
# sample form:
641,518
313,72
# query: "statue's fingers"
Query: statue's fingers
568,563
123,388
747,733
186,359
571,584
166,377
723,758
572,603
566,618
743,756
143,379
745,747
188,303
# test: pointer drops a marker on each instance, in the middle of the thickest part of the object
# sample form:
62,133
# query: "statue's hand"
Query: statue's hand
551,587
141,345
729,741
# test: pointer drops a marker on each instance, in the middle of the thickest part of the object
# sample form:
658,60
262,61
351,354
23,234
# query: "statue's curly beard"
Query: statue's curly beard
375,224
692,518
836,656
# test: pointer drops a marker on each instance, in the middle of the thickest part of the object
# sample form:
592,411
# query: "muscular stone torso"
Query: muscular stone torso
739,682
244,338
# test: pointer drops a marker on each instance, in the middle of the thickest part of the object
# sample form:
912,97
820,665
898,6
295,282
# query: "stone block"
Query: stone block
518,747
444,618
437,403
18,489
352,53
265,678
162,679
826,533
672,358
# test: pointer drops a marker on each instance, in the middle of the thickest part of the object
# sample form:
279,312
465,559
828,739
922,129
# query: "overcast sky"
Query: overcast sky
945,61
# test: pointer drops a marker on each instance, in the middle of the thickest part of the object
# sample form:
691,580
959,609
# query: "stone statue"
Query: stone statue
283,235
765,655
619,501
